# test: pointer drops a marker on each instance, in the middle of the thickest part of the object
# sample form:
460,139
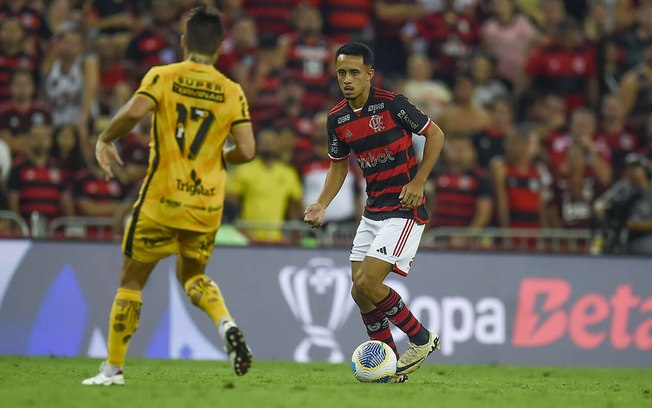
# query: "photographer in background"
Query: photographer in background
624,212
639,224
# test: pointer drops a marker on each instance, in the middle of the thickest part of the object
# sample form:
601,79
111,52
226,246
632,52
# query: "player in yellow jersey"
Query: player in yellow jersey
178,211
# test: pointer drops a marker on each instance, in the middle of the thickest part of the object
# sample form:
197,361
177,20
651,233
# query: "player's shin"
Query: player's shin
206,295
123,322
400,315
378,328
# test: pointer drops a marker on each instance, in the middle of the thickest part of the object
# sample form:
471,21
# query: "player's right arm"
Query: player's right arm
314,214
145,100
123,122
244,149
339,168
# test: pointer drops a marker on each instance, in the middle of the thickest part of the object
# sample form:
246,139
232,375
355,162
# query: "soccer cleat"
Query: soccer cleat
109,375
237,349
399,378
415,355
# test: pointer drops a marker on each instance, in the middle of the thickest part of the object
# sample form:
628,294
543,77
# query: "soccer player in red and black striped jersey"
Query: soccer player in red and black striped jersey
377,126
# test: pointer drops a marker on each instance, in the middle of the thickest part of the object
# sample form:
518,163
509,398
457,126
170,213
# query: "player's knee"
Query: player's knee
365,285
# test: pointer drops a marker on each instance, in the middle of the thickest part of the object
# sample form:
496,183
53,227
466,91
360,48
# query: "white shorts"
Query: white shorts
394,240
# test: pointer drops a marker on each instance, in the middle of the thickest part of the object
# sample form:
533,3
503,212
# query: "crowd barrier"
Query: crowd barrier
573,241
294,304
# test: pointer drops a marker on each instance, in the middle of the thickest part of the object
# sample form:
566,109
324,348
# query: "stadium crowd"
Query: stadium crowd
546,104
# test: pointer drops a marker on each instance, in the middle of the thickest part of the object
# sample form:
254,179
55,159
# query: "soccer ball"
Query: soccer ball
373,361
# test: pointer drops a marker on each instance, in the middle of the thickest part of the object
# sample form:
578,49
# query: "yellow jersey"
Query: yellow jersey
196,107
265,193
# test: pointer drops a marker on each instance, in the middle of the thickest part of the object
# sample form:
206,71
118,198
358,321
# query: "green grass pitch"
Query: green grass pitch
55,382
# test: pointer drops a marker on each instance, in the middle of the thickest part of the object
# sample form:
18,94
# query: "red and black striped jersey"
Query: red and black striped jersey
346,20
563,72
39,188
87,186
380,135
523,197
309,63
272,16
10,63
456,197
19,122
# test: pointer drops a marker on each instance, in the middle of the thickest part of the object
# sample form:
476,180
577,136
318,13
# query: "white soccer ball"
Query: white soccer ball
373,361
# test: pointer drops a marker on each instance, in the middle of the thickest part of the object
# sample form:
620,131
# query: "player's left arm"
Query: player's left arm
412,194
122,123
414,120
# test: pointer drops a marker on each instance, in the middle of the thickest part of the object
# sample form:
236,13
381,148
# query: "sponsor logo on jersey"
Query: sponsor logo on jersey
376,106
343,119
369,161
408,120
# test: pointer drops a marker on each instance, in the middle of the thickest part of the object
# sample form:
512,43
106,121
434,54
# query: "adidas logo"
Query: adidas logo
382,250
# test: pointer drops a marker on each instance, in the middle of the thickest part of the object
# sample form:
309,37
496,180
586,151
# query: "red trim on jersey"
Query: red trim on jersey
359,128
425,127
339,159
337,107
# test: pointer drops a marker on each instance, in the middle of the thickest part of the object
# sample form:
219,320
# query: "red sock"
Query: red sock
378,328
399,314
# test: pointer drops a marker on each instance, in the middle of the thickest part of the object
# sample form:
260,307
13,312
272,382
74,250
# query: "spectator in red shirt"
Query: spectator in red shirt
114,89
446,36
239,47
462,195
36,27
566,67
347,20
308,55
36,182
613,132
581,167
156,44
21,112
518,182
12,55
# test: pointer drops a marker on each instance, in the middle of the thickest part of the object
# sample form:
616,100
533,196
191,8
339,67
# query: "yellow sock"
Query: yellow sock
205,294
123,322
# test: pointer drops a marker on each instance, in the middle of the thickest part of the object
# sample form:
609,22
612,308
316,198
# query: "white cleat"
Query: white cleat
109,375
415,355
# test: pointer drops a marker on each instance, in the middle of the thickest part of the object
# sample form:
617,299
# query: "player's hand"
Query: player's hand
106,153
412,194
314,215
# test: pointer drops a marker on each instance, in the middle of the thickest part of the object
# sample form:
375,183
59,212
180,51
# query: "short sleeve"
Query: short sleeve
408,116
241,107
151,86
337,150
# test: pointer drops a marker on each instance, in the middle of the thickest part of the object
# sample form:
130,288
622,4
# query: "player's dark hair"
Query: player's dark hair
204,31
357,49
